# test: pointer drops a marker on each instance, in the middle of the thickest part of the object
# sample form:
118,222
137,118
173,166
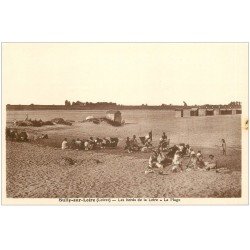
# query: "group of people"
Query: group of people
195,161
22,136
90,144
132,145
174,156
15,135
145,143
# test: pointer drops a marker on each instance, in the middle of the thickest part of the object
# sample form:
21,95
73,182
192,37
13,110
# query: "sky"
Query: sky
125,73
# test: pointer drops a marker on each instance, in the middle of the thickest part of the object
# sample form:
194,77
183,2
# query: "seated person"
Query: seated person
78,143
44,136
200,163
164,137
164,142
154,160
98,143
72,144
65,144
87,145
127,145
177,162
181,147
150,135
92,143
211,163
102,143
23,136
148,141
162,159
114,141
189,150
82,144
106,142
134,144
192,161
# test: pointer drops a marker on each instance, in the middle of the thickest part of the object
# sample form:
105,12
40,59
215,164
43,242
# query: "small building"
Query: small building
209,112
202,112
223,111
226,112
114,116
216,111
194,112
179,113
238,111
186,112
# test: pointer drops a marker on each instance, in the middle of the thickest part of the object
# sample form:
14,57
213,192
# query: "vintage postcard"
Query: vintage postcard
124,123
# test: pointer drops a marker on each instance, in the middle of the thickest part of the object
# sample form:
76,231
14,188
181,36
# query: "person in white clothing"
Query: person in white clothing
177,161
65,144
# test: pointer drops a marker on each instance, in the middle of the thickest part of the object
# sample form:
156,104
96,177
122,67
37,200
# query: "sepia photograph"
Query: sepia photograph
125,123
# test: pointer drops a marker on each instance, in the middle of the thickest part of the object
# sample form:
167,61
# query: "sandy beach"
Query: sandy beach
35,171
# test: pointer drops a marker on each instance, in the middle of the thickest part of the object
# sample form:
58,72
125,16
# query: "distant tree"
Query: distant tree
78,103
67,103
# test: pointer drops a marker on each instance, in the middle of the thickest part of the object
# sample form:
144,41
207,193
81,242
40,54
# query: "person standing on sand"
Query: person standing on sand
223,146
65,144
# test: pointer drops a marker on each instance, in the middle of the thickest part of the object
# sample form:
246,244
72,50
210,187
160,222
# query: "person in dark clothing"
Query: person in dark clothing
128,145
150,134
223,146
